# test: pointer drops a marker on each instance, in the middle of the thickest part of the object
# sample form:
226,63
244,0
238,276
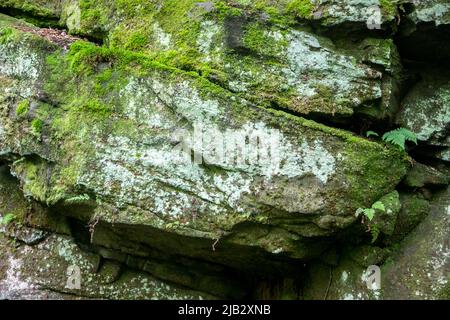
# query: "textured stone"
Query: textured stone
425,109
169,154
249,50
422,175
420,268
33,270
115,148
384,221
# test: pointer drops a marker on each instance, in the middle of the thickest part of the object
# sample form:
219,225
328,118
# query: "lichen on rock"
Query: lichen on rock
223,149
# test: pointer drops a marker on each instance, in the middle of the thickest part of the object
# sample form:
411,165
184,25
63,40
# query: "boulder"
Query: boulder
113,132
420,268
422,175
347,280
256,51
425,109
385,220
218,149
416,268
424,29
414,208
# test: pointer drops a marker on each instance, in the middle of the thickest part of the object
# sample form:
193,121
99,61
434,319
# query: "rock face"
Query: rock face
122,153
426,110
38,271
418,268
185,149
249,51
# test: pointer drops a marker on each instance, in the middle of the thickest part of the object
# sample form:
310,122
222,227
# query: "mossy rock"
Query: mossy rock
384,221
422,175
414,209
254,49
425,109
420,266
107,136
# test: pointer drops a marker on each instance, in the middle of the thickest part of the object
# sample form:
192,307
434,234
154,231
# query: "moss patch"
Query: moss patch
301,8
22,108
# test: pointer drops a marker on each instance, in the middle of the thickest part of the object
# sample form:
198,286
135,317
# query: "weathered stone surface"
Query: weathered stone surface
418,268
248,49
414,209
444,154
422,175
172,143
421,267
347,281
35,270
328,13
424,31
425,110
35,8
29,222
104,134
433,11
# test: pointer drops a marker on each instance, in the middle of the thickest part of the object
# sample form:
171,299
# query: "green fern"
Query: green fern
399,137
371,133
375,232
379,206
370,212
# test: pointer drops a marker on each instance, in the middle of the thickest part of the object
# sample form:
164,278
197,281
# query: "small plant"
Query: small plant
36,127
7,219
371,134
399,137
23,108
6,35
173,225
98,108
375,232
370,212
78,199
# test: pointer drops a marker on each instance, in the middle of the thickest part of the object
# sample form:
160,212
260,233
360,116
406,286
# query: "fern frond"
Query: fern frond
399,137
371,133
379,206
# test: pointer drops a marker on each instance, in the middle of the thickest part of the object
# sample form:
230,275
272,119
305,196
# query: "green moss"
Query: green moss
444,294
414,210
37,126
137,41
8,35
11,197
94,17
256,38
322,101
32,174
342,134
38,12
274,11
22,108
301,8
85,57
224,10
97,108
37,8
389,6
